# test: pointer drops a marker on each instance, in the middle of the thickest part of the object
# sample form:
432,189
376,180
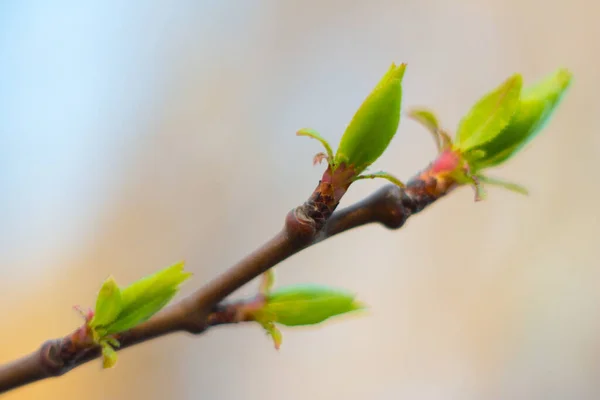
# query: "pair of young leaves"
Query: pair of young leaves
508,118
118,310
500,124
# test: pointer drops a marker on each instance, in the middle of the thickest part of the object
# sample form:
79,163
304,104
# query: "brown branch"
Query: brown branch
304,226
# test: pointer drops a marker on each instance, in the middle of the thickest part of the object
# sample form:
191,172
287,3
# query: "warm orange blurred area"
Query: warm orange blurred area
136,135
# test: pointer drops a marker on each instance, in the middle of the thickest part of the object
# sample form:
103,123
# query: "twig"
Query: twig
304,226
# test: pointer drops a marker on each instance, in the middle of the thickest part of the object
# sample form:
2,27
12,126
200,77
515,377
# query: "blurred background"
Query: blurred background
137,134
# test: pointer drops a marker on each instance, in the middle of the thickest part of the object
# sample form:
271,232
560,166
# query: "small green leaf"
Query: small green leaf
274,332
108,303
268,279
148,287
383,175
426,118
430,122
113,342
134,316
374,124
514,187
537,105
315,135
147,296
489,115
109,356
307,305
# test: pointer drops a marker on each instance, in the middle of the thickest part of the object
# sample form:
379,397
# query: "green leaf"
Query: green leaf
147,296
383,175
267,281
537,105
135,316
374,124
430,122
274,332
113,342
513,187
109,356
108,303
426,118
149,287
315,135
307,305
489,115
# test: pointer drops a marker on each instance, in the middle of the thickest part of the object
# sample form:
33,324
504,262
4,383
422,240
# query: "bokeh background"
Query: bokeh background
136,134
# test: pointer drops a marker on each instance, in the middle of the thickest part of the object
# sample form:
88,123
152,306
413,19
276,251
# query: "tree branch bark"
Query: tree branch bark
304,226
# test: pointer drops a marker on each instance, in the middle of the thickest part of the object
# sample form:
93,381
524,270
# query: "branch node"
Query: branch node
196,326
50,357
195,320
300,227
391,210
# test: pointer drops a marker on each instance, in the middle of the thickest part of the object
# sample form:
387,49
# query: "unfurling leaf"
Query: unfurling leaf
113,342
315,135
108,303
307,305
147,296
118,310
489,115
267,281
537,105
430,122
426,118
109,356
374,124
274,332
135,316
